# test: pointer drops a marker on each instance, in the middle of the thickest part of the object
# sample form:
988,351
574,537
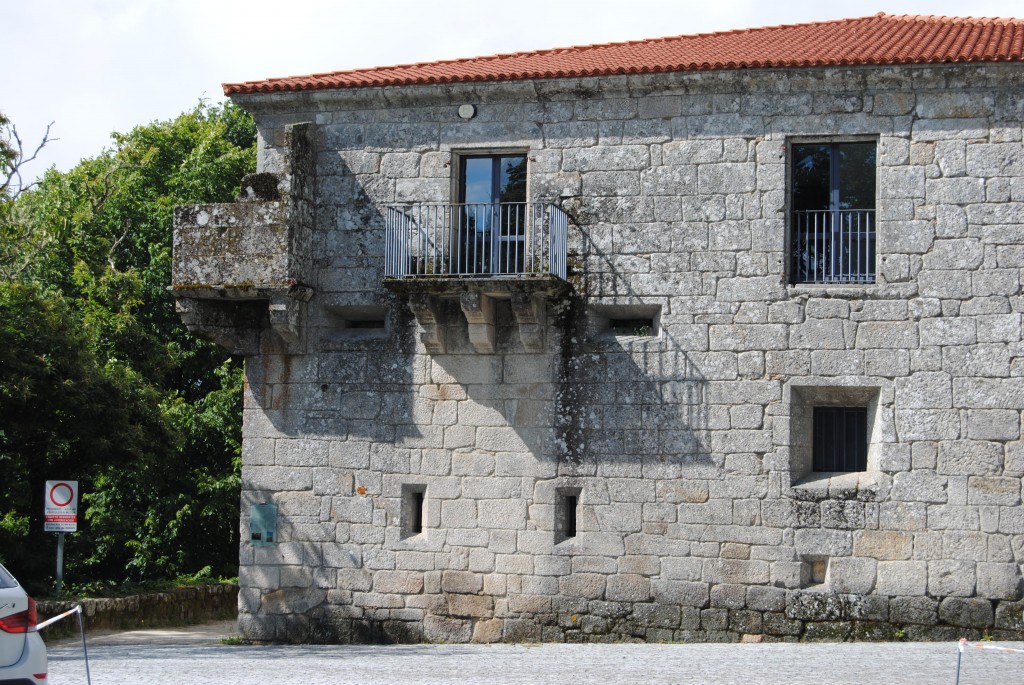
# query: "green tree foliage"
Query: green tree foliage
99,380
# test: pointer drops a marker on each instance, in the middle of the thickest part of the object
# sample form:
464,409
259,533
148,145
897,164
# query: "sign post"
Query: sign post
60,515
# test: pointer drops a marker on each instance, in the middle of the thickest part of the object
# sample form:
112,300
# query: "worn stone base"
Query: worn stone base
792,616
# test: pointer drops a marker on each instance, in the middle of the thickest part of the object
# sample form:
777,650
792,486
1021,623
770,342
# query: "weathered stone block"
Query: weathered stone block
462,582
904,578
968,613
628,588
1009,615
679,592
824,542
487,631
920,610
764,598
883,545
950,578
398,582
919,486
994,490
969,458
999,581
475,606
735,571
585,585
851,575
725,596
819,606
446,629
745,622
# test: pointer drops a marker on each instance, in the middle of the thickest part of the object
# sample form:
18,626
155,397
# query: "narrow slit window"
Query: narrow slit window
566,511
570,516
413,507
417,513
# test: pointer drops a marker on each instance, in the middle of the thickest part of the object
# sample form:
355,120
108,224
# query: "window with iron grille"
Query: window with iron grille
832,212
840,439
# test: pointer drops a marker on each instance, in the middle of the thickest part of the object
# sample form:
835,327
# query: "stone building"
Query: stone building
702,338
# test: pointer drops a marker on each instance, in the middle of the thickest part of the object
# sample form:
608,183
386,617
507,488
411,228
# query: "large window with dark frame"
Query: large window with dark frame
840,439
832,212
493,214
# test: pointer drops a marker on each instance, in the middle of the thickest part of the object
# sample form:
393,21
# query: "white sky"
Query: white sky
98,66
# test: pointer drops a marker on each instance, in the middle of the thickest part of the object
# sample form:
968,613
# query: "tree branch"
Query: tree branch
113,248
15,159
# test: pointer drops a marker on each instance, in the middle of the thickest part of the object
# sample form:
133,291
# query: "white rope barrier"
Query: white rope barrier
50,621
964,644
981,645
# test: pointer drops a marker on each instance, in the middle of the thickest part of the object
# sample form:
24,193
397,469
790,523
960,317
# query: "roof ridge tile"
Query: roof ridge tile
877,39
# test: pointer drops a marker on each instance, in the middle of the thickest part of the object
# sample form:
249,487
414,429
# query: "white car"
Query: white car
22,652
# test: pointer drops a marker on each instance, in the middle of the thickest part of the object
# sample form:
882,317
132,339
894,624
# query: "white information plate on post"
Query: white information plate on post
60,508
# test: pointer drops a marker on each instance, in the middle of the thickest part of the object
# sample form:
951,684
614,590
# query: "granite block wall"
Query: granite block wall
685,443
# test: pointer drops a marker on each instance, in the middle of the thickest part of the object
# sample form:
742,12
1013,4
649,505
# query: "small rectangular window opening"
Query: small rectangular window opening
566,510
840,439
356,322
413,506
641,327
617,321
367,324
815,570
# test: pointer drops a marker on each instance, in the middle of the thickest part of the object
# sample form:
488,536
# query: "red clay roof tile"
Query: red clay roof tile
879,39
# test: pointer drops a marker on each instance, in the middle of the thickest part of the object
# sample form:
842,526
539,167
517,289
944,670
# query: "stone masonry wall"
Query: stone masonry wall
697,518
175,607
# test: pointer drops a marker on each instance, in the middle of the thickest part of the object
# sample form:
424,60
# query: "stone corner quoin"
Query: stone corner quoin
634,451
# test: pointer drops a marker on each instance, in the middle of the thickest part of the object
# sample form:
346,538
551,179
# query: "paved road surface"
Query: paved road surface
196,656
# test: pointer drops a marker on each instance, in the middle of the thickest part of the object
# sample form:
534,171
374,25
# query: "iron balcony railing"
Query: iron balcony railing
834,246
489,240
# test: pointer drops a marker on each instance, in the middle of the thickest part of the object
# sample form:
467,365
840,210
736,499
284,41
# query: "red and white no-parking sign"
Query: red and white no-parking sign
60,506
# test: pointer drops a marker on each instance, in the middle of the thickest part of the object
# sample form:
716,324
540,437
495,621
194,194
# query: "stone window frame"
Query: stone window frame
349,320
788,209
800,397
601,318
344,326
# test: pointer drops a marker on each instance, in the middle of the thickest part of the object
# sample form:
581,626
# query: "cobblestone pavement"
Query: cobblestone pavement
141,662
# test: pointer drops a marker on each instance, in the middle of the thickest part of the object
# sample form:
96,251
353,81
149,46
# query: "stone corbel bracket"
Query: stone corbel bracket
288,313
426,310
529,313
479,311
477,297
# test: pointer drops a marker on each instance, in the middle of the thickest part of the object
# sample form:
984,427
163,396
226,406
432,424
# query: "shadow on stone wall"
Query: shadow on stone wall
348,383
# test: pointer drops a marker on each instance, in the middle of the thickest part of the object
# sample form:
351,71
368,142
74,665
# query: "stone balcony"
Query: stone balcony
243,267
477,254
